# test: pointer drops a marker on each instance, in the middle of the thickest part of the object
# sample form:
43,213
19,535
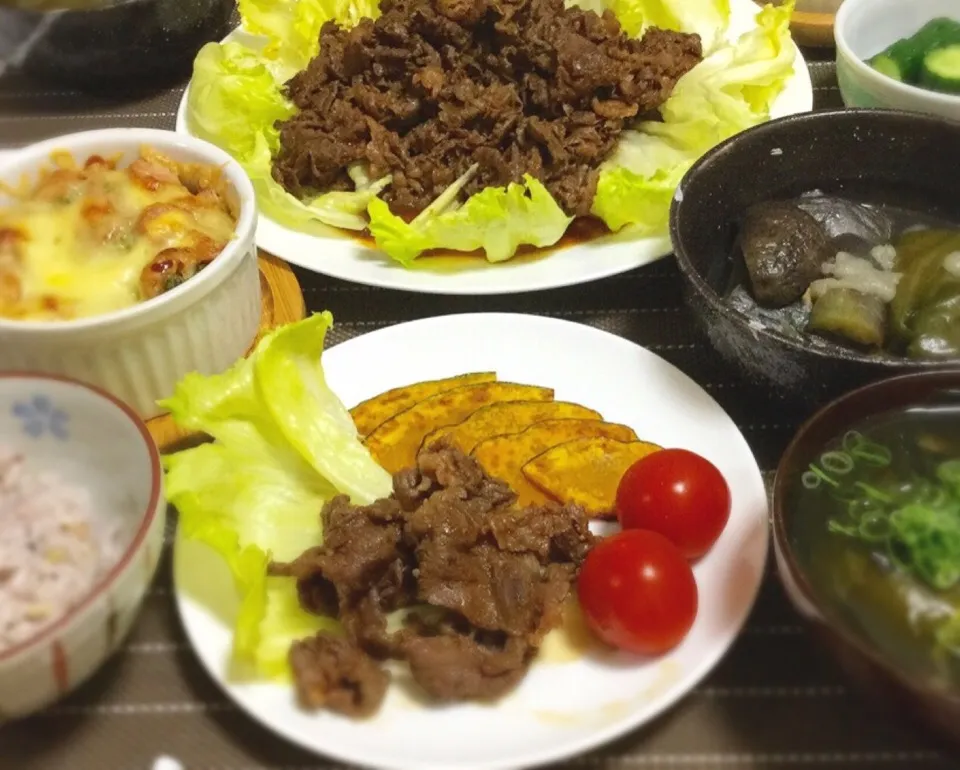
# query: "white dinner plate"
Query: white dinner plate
572,700
344,257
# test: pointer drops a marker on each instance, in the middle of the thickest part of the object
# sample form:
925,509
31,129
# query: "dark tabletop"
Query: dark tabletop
774,702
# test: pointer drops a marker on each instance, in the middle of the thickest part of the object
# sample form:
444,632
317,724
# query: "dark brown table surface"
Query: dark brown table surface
774,701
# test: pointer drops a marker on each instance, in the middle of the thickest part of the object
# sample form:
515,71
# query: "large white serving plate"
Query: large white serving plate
341,256
577,697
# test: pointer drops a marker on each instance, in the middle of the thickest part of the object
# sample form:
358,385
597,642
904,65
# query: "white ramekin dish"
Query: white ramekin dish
89,439
139,353
862,29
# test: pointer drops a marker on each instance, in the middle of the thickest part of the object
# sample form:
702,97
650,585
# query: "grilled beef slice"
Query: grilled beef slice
485,580
331,672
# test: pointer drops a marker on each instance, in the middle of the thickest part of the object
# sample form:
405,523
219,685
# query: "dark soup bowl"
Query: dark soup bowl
106,46
802,191
866,530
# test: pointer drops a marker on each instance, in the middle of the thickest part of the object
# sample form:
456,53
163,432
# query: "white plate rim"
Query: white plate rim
569,266
617,729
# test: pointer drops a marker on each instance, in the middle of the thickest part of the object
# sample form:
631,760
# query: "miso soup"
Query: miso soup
877,530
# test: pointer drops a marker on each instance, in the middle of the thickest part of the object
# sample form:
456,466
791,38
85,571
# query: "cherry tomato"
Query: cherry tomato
637,592
679,494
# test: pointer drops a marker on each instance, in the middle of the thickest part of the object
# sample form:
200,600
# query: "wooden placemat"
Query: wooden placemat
810,28
282,302
813,29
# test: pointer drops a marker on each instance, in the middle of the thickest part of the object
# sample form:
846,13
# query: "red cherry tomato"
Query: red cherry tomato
637,592
679,494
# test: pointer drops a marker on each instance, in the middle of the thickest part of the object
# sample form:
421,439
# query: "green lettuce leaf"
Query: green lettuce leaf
729,91
754,69
707,18
643,202
236,98
292,27
497,220
283,445
346,210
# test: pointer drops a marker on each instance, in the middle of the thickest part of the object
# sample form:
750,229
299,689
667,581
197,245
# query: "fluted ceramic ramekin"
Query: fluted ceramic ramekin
139,353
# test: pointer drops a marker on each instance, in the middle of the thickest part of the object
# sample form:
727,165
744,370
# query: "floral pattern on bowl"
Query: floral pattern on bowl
39,415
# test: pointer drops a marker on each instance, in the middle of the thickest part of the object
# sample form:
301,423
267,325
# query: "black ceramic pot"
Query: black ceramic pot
130,45
893,157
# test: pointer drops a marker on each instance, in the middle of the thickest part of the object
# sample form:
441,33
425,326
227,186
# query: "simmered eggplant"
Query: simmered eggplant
920,258
783,249
925,313
852,315
936,327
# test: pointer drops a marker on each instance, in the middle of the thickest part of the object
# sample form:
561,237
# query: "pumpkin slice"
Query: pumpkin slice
504,456
375,411
395,443
503,418
586,471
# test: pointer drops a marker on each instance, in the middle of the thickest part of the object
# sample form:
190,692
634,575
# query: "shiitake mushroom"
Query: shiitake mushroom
783,249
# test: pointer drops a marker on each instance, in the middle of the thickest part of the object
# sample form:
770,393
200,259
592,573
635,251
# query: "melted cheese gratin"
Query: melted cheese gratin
86,240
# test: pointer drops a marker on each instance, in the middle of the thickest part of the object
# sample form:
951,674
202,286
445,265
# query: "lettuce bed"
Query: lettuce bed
283,445
236,98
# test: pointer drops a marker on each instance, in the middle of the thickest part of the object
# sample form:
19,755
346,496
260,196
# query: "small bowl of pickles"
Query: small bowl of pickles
898,55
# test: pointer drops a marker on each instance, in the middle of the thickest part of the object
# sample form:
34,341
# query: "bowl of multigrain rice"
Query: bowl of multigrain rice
82,513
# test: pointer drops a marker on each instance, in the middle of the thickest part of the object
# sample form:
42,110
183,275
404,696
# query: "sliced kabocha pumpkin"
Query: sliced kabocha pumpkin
586,471
505,417
375,411
395,443
505,456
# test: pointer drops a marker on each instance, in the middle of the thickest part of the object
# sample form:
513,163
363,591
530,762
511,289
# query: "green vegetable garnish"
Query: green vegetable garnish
926,541
917,523
283,445
949,473
529,214
731,90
